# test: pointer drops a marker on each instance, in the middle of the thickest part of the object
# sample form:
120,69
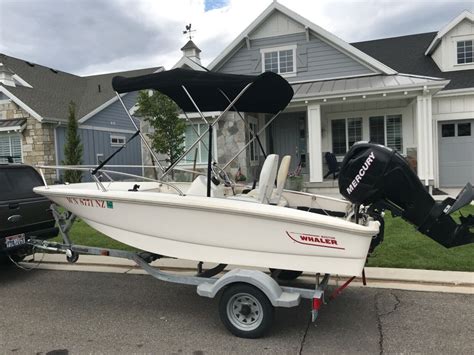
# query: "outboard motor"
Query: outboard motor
379,178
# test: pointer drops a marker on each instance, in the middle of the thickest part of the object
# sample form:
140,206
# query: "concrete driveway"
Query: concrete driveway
79,312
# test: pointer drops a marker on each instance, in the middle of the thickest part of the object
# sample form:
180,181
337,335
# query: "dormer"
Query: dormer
452,47
6,76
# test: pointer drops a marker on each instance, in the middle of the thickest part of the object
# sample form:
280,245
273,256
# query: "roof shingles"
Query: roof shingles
53,90
406,54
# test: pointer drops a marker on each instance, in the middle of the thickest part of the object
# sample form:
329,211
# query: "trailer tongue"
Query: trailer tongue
380,178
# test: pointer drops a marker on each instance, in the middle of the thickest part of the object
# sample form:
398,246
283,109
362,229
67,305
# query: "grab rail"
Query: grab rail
106,171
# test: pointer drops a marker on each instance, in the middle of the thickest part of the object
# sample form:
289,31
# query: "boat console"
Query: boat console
380,178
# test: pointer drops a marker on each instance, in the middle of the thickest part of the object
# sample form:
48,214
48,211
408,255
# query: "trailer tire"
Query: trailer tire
246,311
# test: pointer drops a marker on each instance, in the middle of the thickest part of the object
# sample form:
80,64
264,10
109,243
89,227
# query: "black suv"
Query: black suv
23,213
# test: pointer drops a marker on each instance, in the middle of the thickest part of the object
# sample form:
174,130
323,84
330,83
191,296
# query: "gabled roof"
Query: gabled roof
465,15
322,33
406,54
52,90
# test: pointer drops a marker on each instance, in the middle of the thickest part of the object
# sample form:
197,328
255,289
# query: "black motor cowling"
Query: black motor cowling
377,176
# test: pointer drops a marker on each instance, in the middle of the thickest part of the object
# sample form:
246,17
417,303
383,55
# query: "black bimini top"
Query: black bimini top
268,93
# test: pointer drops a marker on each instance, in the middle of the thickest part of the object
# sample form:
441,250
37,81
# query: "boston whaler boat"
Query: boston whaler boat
268,227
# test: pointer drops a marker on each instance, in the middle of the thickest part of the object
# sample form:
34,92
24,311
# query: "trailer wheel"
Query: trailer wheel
286,275
246,311
72,256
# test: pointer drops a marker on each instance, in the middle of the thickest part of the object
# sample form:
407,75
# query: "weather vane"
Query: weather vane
189,31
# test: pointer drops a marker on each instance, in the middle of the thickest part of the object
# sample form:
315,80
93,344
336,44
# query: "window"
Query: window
279,60
193,131
447,130
464,53
253,147
456,130
10,146
464,129
116,141
386,130
345,132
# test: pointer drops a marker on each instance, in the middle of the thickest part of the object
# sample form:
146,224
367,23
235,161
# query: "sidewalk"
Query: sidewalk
403,279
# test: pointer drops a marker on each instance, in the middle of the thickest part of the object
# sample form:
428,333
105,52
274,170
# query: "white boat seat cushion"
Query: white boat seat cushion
266,183
281,178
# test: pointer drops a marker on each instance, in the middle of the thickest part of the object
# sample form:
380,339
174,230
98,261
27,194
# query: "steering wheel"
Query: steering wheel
222,175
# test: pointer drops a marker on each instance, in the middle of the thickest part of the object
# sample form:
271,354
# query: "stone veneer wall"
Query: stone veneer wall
230,139
37,139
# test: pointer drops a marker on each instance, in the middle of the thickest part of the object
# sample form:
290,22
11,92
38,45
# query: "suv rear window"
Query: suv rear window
18,182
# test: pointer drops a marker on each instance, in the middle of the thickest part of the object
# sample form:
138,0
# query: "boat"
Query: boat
269,227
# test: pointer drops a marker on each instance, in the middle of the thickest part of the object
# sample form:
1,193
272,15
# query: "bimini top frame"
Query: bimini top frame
196,91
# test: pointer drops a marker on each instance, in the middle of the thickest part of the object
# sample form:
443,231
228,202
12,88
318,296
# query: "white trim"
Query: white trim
122,140
16,129
462,16
278,49
105,129
455,92
189,62
332,78
454,116
21,81
20,103
197,115
56,149
374,91
275,6
313,142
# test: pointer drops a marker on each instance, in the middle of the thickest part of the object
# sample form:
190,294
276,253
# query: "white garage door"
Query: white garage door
456,153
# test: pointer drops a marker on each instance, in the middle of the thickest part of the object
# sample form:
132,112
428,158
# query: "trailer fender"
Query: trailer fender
262,281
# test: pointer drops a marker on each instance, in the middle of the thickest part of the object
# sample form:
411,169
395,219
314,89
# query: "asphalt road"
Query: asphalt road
60,312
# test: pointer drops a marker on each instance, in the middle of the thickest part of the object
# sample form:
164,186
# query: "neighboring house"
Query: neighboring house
412,93
34,102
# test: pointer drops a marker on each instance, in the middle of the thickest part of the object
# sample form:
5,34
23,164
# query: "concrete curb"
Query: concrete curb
403,279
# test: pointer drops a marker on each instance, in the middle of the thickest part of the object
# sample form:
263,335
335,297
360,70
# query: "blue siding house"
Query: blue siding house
34,102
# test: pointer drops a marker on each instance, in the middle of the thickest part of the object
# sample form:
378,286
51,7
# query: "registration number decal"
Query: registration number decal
323,241
90,202
14,240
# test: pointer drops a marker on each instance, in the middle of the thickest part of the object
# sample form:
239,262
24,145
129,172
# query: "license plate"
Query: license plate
14,240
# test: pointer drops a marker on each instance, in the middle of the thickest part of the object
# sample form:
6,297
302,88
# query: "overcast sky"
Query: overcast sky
96,36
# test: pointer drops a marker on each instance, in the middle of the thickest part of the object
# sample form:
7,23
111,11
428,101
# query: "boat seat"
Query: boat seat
281,179
199,187
265,183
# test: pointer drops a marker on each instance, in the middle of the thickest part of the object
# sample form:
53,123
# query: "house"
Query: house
34,102
412,93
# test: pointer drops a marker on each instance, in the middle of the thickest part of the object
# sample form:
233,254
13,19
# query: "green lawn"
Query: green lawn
403,247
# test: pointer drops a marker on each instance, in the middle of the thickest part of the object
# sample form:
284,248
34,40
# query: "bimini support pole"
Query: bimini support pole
171,167
251,140
140,133
247,125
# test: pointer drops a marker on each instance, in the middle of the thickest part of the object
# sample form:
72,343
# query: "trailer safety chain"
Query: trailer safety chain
18,265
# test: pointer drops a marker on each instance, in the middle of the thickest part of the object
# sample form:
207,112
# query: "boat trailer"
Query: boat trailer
247,297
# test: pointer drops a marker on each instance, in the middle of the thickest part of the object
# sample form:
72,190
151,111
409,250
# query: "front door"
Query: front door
288,137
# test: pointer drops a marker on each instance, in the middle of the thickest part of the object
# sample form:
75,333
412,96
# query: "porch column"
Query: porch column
314,143
424,137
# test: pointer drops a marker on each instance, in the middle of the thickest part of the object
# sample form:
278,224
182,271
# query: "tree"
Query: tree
73,147
162,114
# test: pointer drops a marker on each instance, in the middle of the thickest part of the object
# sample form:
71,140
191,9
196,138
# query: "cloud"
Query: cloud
94,36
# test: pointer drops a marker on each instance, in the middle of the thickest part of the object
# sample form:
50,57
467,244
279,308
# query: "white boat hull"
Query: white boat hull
220,230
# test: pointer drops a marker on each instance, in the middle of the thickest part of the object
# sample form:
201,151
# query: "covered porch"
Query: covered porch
393,110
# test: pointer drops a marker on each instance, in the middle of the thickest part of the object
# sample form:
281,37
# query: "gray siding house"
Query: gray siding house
34,102
412,93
